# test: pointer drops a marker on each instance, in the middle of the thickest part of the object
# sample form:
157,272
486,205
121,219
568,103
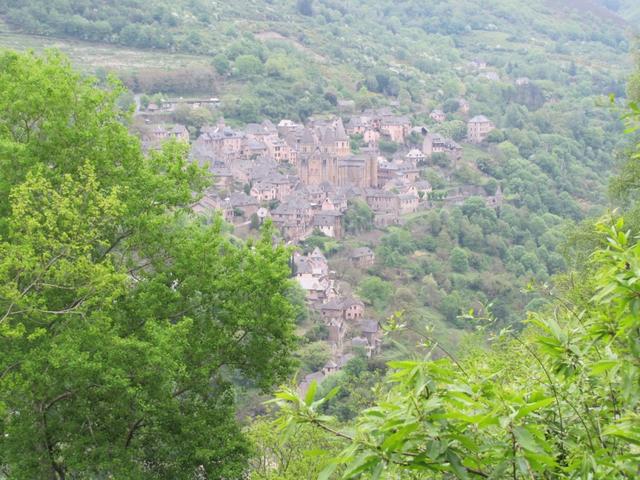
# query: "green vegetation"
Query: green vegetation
133,337
130,23
358,218
557,400
123,320
474,255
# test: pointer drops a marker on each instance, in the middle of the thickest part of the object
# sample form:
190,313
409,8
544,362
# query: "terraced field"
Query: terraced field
90,56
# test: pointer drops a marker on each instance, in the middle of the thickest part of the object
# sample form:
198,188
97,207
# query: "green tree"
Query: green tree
122,317
625,187
278,66
459,260
291,458
305,7
314,356
562,401
451,105
247,66
376,292
358,217
221,64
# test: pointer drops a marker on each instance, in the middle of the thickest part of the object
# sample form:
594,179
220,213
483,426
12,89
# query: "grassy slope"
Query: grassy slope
89,55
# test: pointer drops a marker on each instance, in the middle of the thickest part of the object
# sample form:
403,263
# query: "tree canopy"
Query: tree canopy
559,400
123,319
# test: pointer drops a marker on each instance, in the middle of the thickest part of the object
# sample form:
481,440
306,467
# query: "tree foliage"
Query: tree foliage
122,318
358,218
558,401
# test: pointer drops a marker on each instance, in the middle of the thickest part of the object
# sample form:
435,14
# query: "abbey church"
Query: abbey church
324,155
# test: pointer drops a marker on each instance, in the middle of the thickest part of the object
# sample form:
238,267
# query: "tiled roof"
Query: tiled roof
361,252
370,326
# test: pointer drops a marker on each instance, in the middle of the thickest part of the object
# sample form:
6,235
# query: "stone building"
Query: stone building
363,257
478,128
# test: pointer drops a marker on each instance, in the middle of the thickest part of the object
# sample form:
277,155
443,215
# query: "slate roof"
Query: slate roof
370,326
361,252
479,119
359,342
340,132
241,199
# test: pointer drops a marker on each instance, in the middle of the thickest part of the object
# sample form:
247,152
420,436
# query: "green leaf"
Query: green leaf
327,471
394,441
311,393
598,368
377,472
361,464
531,407
456,466
331,394
526,440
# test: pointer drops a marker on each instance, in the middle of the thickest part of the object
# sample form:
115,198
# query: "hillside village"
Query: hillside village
398,209
305,178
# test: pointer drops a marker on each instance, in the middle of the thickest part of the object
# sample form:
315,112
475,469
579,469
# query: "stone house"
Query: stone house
436,143
407,171
371,137
160,134
330,367
354,309
275,186
293,218
241,202
209,203
317,290
342,308
363,257
311,271
395,127
255,148
222,176
264,192
222,142
329,223
373,123
280,151
382,201
478,128
316,262
409,202
287,128
357,125
415,157
387,172
339,201
371,331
